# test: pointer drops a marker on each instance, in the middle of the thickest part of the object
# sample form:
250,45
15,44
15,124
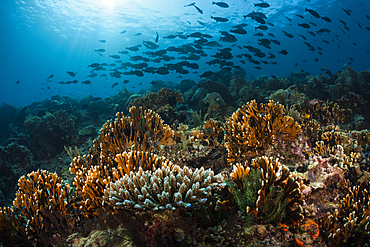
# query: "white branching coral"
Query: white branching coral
165,188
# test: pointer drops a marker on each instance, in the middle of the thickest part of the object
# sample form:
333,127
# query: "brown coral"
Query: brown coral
250,131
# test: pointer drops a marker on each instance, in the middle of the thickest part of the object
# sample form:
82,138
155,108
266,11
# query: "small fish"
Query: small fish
124,31
313,24
262,5
196,7
221,4
304,25
134,48
102,41
157,37
259,19
51,76
126,81
326,19
71,73
206,74
306,116
115,84
137,34
313,102
100,50
262,27
300,16
313,13
287,18
283,52
220,19
288,34
172,36
99,54
17,82
213,44
201,23
86,82
358,23
347,12
115,56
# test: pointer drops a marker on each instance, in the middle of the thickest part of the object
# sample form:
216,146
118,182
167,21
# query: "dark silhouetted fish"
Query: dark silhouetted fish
115,84
171,36
257,67
102,41
134,48
124,31
325,41
312,33
196,7
300,16
213,44
87,82
323,30
358,23
221,4
304,25
92,75
150,45
201,23
162,70
115,56
206,74
262,5
220,19
283,52
137,34
17,82
259,19
270,34
238,31
313,13
258,34
326,19
123,52
287,18
157,37
275,41
100,50
94,65
303,37
262,27
347,11
288,34
71,73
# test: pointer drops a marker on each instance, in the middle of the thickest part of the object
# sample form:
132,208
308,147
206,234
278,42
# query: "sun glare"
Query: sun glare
108,3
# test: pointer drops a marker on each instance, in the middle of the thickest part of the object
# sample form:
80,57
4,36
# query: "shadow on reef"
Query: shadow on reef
192,164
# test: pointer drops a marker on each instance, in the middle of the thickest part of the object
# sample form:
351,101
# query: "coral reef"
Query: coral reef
250,131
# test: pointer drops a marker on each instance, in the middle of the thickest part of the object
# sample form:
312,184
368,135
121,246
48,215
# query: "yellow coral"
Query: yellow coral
250,131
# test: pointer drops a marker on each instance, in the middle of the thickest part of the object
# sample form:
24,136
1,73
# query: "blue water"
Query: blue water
40,38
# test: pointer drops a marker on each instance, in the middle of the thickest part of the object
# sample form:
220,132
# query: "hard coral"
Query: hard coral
250,131
168,187
350,224
41,210
143,131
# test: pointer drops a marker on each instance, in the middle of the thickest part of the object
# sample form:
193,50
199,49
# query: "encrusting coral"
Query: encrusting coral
250,131
168,187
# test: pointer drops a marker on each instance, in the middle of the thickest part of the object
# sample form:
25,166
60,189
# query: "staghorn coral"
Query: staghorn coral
168,187
41,210
143,131
350,224
250,131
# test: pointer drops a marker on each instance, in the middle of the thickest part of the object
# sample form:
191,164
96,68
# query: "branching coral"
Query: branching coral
250,131
168,187
41,210
143,131
92,178
350,224
267,191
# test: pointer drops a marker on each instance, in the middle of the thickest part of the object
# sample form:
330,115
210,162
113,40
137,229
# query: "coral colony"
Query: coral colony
186,167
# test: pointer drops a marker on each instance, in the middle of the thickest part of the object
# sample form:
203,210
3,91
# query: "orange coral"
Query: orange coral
44,202
250,131
143,131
